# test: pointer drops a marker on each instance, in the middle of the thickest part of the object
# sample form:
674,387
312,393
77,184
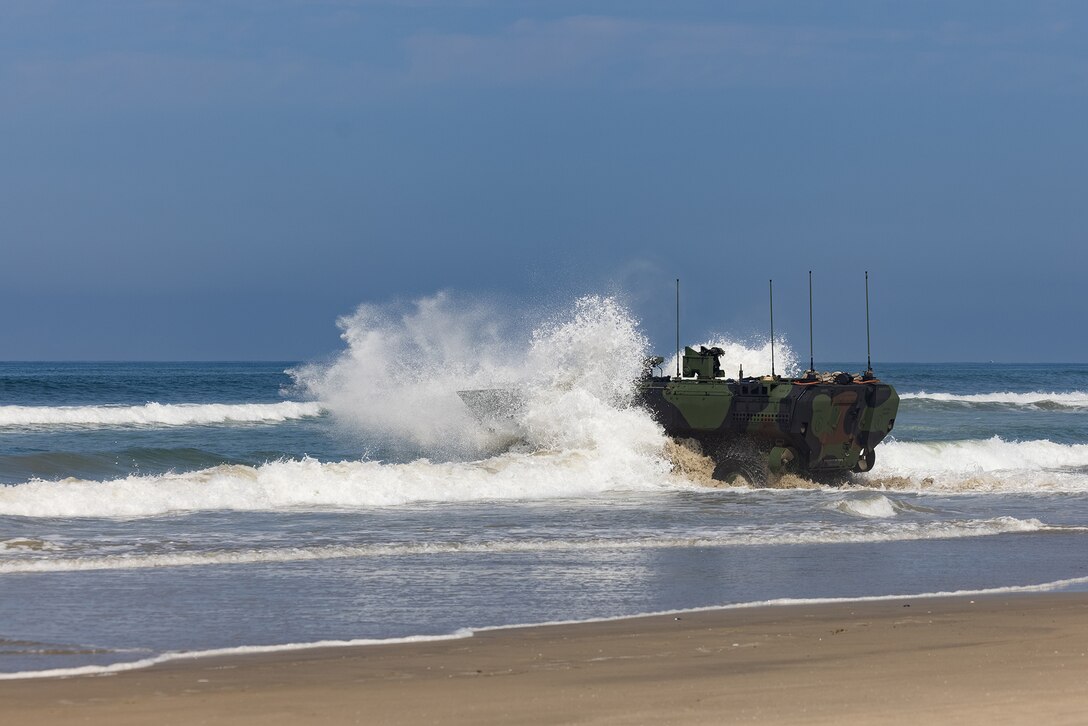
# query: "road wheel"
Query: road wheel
741,459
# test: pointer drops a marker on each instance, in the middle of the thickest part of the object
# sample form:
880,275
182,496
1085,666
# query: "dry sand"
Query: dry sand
1016,659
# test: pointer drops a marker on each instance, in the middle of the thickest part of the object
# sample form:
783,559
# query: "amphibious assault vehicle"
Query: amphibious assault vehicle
819,426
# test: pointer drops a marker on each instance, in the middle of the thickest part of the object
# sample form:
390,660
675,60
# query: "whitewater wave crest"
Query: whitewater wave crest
747,536
1036,400
157,414
992,464
308,483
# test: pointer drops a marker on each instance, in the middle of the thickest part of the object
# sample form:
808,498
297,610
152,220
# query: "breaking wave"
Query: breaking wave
626,463
1036,400
746,536
992,464
308,483
157,414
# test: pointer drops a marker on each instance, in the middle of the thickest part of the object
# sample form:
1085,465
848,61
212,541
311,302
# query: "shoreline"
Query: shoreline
973,657
1055,587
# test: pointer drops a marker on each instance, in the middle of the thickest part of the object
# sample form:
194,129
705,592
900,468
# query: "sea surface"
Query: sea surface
155,509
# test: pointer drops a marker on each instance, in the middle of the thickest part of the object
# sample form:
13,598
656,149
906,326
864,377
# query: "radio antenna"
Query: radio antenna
868,346
678,327
811,365
770,290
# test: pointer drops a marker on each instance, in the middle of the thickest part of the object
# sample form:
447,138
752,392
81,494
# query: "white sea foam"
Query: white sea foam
754,357
157,414
742,537
870,506
992,464
308,483
614,456
101,670
1032,399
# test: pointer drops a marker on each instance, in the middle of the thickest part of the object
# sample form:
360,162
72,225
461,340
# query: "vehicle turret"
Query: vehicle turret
820,425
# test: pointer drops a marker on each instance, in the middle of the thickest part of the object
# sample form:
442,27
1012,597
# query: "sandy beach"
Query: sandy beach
966,660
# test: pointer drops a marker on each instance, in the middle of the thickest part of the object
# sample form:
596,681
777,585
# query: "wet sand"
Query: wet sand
1010,659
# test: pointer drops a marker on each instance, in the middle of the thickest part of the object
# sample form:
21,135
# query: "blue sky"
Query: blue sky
221,180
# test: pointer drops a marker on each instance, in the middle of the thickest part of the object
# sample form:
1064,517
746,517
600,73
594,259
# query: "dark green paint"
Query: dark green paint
827,424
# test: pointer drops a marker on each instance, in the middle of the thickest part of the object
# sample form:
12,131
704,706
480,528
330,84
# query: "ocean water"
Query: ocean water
155,509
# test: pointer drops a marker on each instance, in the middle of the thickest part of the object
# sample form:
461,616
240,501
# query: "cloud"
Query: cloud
111,79
588,50
119,80
569,52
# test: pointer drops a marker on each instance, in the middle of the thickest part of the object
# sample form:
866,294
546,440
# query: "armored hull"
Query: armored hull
819,426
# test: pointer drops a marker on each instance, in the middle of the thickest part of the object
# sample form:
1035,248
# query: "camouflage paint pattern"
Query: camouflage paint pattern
827,424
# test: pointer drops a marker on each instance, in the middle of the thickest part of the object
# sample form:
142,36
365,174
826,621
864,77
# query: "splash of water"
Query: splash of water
395,384
397,380
753,356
